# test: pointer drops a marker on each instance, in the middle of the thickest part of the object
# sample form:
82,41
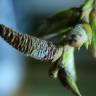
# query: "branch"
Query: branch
31,46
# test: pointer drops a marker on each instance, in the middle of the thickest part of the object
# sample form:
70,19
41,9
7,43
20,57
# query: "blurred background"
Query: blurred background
23,76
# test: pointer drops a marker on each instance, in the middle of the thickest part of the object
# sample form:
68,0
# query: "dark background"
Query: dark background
28,77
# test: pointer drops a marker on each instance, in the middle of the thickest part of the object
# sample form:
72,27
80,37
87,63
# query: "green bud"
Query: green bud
67,60
68,82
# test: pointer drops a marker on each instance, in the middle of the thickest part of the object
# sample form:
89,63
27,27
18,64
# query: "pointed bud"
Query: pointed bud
67,60
68,82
